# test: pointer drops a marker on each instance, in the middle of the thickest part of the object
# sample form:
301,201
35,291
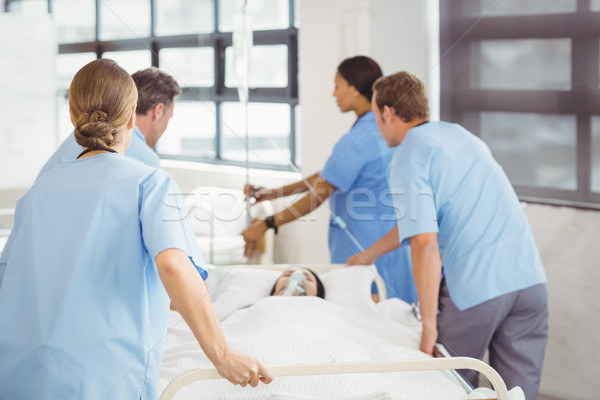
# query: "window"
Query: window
192,40
525,77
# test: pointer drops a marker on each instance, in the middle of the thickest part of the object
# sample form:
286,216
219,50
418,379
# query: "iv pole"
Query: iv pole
242,46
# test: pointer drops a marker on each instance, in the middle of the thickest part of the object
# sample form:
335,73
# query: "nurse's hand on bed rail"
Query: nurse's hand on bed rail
190,298
242,370
428,338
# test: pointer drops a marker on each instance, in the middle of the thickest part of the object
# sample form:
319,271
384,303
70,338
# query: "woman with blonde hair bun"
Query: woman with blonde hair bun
98,114
99,247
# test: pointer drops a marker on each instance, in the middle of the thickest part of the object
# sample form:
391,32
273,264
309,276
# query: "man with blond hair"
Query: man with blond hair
478,273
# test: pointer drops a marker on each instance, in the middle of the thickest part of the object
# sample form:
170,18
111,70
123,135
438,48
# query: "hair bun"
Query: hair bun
94,130
98,116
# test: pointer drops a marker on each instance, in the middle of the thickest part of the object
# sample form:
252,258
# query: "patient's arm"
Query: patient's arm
321,190
384,245
189,296
288,190
427,270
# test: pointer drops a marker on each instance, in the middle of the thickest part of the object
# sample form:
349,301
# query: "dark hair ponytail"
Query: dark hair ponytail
361,72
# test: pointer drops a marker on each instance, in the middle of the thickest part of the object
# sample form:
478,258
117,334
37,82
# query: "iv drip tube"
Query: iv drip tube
242,46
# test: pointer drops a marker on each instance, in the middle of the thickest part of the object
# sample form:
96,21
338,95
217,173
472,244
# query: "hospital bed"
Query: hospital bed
345,347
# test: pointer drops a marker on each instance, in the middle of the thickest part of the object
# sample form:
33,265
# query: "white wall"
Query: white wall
568,240
404,37
27,97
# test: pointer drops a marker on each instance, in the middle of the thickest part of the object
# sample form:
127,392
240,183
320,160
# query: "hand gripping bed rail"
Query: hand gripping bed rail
355,368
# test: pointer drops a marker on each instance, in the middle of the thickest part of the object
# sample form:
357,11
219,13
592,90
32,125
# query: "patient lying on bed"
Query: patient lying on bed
298,282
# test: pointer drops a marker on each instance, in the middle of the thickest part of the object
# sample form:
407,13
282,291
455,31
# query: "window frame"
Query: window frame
458,32
218,93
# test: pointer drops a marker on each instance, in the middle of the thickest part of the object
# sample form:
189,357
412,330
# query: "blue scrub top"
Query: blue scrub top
445,180
357,168
84,311
70,149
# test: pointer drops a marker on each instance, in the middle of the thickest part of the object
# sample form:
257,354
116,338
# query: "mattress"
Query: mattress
300,330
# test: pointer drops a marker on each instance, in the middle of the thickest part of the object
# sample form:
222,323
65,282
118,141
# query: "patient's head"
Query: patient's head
299,282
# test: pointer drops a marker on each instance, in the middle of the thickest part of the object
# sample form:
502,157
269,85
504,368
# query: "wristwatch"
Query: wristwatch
270,221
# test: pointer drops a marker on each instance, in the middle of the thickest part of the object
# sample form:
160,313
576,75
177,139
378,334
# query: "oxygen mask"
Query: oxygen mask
296,284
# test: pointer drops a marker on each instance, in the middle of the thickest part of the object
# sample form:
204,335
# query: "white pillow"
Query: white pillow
350,287
233,288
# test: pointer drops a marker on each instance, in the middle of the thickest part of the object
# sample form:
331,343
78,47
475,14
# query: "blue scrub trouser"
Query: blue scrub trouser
513,327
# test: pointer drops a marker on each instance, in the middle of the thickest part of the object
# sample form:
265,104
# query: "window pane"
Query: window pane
478,8
269,132
63,119
190,66
266,14
297,13
131,61
28,7
534,149
268,67
191,130
596,154
68,64
121,19
521,64
177,17
75,20
298,112
595,5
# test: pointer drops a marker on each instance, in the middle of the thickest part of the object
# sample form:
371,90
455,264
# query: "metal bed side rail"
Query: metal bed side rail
355,368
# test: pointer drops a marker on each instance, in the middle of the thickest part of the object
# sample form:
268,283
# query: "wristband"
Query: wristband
270,221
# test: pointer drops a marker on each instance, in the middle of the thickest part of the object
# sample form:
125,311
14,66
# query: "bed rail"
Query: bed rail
355,368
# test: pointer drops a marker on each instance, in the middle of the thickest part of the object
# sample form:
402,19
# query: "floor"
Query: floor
542,397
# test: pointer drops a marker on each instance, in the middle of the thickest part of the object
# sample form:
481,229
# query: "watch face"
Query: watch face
270,221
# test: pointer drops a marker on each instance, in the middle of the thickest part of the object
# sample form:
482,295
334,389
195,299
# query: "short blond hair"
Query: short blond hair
101,97
404,93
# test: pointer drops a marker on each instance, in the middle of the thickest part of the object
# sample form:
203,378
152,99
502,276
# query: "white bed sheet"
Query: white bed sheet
299,330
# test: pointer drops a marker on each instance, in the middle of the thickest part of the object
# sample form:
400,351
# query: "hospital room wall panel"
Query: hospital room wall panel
27,97
403,36
568,242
